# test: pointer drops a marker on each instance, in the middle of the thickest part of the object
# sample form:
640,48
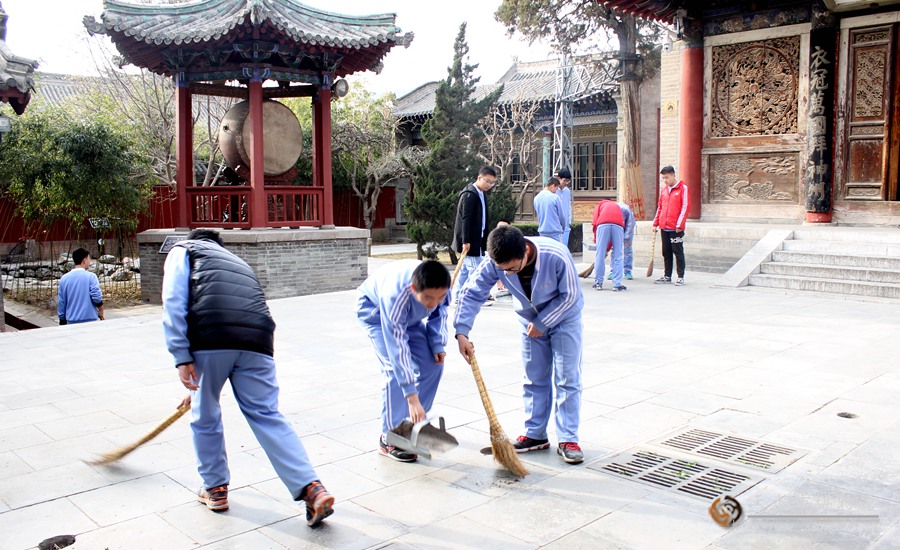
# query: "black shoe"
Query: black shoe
619,288
663,280
524,444
570,452
598,286
393,452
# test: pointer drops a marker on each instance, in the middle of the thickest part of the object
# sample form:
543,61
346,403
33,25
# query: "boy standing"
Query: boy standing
541,275
549,211
671,215
403,308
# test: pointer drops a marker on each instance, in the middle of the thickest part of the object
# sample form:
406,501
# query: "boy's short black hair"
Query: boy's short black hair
430,274
206,234
667,170
505,244
564,173
487,171
79,254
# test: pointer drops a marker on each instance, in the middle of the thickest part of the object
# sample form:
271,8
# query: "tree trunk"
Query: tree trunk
630,174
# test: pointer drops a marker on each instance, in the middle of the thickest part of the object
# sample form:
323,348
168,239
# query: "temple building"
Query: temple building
532,87
785,112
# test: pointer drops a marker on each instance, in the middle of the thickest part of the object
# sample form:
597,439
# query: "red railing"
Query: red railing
286,206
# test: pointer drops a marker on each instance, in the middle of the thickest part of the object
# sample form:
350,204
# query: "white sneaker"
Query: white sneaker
679,281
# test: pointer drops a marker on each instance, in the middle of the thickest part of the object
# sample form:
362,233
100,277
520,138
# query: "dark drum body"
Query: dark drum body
282,138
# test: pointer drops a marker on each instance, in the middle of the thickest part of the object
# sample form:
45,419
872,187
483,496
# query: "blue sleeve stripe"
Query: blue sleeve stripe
570,284
398,329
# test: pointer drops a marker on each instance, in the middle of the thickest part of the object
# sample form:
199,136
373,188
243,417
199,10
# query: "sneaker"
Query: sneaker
663,280
597,285
619,288
524,444
609,277
679,281
570,452
216,498
393,452
319,503
628,275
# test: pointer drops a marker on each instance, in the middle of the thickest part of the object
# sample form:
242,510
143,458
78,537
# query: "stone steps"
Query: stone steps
832,286
833,272
848,261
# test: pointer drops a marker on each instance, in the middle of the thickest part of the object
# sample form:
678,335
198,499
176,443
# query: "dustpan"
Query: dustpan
422,438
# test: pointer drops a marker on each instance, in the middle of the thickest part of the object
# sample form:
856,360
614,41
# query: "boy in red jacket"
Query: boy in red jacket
671,215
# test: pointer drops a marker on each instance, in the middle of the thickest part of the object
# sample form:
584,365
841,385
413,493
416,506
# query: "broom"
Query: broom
586,272
113,456
652,254
502,449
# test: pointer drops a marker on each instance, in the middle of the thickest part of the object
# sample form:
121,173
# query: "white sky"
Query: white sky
51,31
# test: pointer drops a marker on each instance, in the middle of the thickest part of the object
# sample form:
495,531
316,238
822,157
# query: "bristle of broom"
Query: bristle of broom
505,454
112,456
586,271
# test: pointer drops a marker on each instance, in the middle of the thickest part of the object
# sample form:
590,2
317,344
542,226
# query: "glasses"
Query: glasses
514,270
489,182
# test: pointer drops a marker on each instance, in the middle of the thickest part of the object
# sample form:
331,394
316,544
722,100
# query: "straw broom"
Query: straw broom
652,255
586,271
503,451
113,456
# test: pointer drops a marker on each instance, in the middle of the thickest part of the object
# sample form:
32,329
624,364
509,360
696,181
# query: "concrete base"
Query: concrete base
288,262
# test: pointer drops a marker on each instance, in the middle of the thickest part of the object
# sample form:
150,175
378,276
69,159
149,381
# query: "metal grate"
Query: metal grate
736,450
678,475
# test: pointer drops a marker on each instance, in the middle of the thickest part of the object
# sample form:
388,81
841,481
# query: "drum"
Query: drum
282,138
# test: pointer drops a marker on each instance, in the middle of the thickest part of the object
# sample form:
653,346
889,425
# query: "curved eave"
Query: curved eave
645,9
209,20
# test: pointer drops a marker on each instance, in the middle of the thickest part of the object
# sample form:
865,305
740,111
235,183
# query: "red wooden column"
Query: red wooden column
184,150
322,152
258,208
691,125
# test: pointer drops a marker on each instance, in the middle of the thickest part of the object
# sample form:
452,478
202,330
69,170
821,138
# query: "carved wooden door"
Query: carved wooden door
873,136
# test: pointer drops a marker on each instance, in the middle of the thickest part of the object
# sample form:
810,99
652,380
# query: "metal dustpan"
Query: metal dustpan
422,438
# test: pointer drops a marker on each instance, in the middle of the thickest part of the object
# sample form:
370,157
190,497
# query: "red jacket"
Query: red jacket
607,212
672,207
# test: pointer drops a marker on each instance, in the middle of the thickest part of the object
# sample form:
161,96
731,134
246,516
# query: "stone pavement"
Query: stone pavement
755,364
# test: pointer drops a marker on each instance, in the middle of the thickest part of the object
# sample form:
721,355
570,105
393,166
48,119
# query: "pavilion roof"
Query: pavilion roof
528,81
659,10
215,36
16,81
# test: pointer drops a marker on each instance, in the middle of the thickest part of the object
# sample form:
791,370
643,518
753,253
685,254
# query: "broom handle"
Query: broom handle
458,267
482,391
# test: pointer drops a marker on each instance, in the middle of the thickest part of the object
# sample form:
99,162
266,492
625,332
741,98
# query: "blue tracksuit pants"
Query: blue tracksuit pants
554,236
607,232
255,388
469,265
394,408
553,360
629,258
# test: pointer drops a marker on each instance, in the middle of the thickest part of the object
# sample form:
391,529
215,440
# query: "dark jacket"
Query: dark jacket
467,228
227,306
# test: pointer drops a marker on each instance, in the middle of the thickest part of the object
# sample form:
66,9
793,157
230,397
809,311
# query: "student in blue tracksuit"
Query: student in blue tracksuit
541,275
549,211
403,308
565,195
218,329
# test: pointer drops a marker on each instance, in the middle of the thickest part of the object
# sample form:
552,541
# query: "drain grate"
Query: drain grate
736,450
679,475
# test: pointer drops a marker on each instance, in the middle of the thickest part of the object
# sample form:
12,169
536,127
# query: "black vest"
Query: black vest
227,306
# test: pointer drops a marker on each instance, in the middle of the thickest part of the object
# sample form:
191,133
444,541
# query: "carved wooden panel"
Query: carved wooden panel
754,88
871,56
754,177
868,82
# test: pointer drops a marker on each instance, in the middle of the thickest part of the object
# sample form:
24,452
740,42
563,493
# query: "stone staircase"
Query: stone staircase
857,261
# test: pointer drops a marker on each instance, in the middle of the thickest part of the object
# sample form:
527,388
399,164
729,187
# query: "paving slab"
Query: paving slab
776,366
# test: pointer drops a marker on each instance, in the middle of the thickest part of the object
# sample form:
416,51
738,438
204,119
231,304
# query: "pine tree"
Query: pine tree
451,163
